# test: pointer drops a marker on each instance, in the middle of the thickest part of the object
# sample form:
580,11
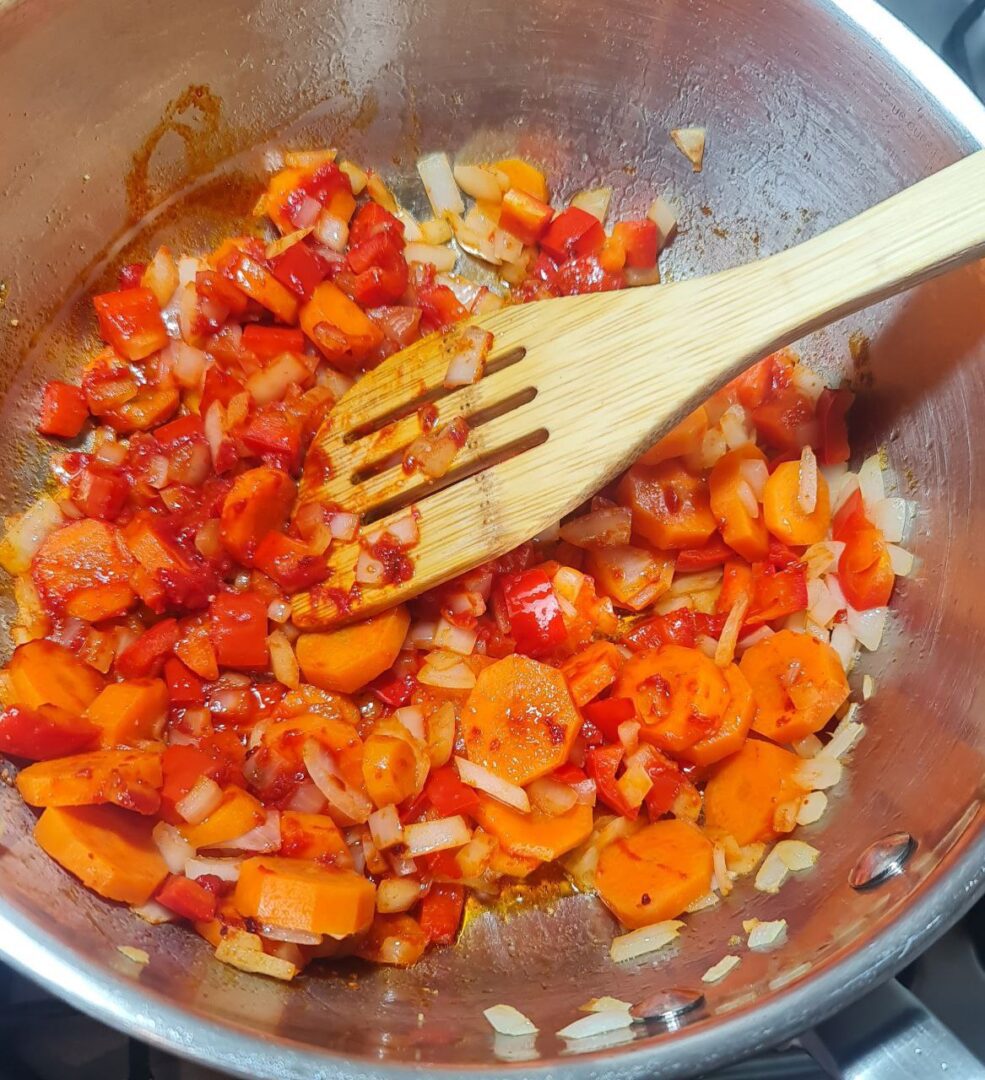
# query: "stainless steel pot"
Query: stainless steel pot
815,110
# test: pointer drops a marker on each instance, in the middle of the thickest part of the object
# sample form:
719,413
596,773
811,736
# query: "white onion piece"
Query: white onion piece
278,610
713,447
594,201
645,940
796,855
457,677
385,828
292,937
507,249
822,557
369,570
822,603
214,424
441,258
307,799
224,869
771,874
807,481
812,808
868,626
755,473
761,633
478,182
889,517
288,240
552,797
610,526
154,913
343,525
439,184
848,732
272,382
844,644
735,427
264,838
482,779
436,231
597,1023
189,364
808,746
471,346
421,635
200,800
505,1020
691,143
351,805
871,482
762,935
901,561
161,276
307,212
842,490
412,719
819,773
395,894
174,848
699,581
283,663
663,215
331,231
807,381
718,971
424,837
568,583
725,650
27,532
357,176
334,381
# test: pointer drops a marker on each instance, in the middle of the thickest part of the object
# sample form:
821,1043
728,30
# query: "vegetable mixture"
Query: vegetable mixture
635,696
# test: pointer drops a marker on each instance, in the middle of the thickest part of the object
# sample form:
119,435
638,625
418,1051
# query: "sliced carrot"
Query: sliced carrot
286,739
279,188
744,792
311,836
654,874
110,851
525,177
633,576
670,505
503,863
742,531
679,693
152,406
236,815
341,330
84,570
257,504
535,835
592,670
394,939
781,507
798,683
46,673
295,894
683,439
130,778
519,721
130,712
345,660
732,731
389,769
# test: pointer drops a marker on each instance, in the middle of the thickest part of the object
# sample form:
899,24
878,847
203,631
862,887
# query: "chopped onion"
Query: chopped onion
272,382
507,249
343,525
161,276
441,734
224,869
901,561
709,900
822,557
594,201
843,490
441,258
713,447
352,806
807,381
436,231
868,626
293,937
470,347
283,662
718,971
807,481
634,785
307,799
735,427
808,746
691,143
278,610
868,687
796,855
474,857
721,875
369,570
478,182
306,213
889,517
395,894
203,797
772,874
645,940
412,719
610,526
385,828
288,240
845,736
685,584
154,913
635,276
357,176
331,231
174,848
551,797
628,733
812,808
761,633
764,934
604,1004
585,792
457,677
421,635
439,183
663,215
189,364
27,532
823,604
423,837
871,483
844,644
597,1023
477,776
819,773
264,838
505,1020
568,583
434,453
755,473
725,650
131,952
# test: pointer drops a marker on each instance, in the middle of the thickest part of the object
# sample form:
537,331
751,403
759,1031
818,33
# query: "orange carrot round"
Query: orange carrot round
654,874
670,505
683,439
736,721
345,660
785,518
46,673
84,569
535,835
130,778
257,504
389,769
798,683
742,531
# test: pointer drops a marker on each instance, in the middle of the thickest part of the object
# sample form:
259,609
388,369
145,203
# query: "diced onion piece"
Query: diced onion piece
436,231
713,447
685,584
459,676
397,894
812,808
628,733
174,848
423,837
292,937
819,773
845,736
634,785
842,490
844,644
154,913
439,183
597,1023
412,719
224,869
709,900
131,952
718,971
755,473
868,687
735,427
420,635
808,746
369,569
264,838
27,532
721,875
635,276
343,525
505,1020
594,201
743,860
568,583
243,950
385,828
377,190
454,638
331,231
470,347
796,855
351,805
823,602
889,517
161,276
610,526
868,626
478,182
822,557
282,243
551,797
807,381
663,215
440,257
474,857
283,662
725,650
271,383
357,176
645,940
807,481
759,634
871,482
482,779
435,452
764,934
901,561
605,1004
200,800
691,143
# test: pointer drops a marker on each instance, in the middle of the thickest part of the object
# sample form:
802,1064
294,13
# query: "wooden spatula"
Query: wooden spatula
577,387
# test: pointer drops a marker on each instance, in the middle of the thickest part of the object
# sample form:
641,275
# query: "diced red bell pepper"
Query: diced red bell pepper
786,420
674,628
608,714
865,569
184,429
275,435
832,412
221,292
147,654
63,410
533,611
764,380
441,307
99,491
640,240
776,593
709,625
219,386
667,780
300,269
268,342
322,184
131,322
187,898
780,556
392,689
714,553
447,794
379,285
130,274
441,913
289,562
573,232
569,774
585,274
371,219
239,630
44,733
440,864
523,216
185,689
850,517
601,764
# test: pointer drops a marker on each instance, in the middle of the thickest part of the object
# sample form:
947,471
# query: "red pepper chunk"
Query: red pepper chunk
667,780
301,270
533,611
393,690
441,307
63,410
268,342
714,553
447,794
441,913
289,562
441,864
239,630
601,764
608,714
185,688
640,241
573,232
674,628
99,491
585,274
832,410
187,898
130,321
776,593
523,216
44,733
147,654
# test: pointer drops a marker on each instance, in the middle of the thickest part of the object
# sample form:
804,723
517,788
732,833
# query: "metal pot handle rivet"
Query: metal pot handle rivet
882,860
